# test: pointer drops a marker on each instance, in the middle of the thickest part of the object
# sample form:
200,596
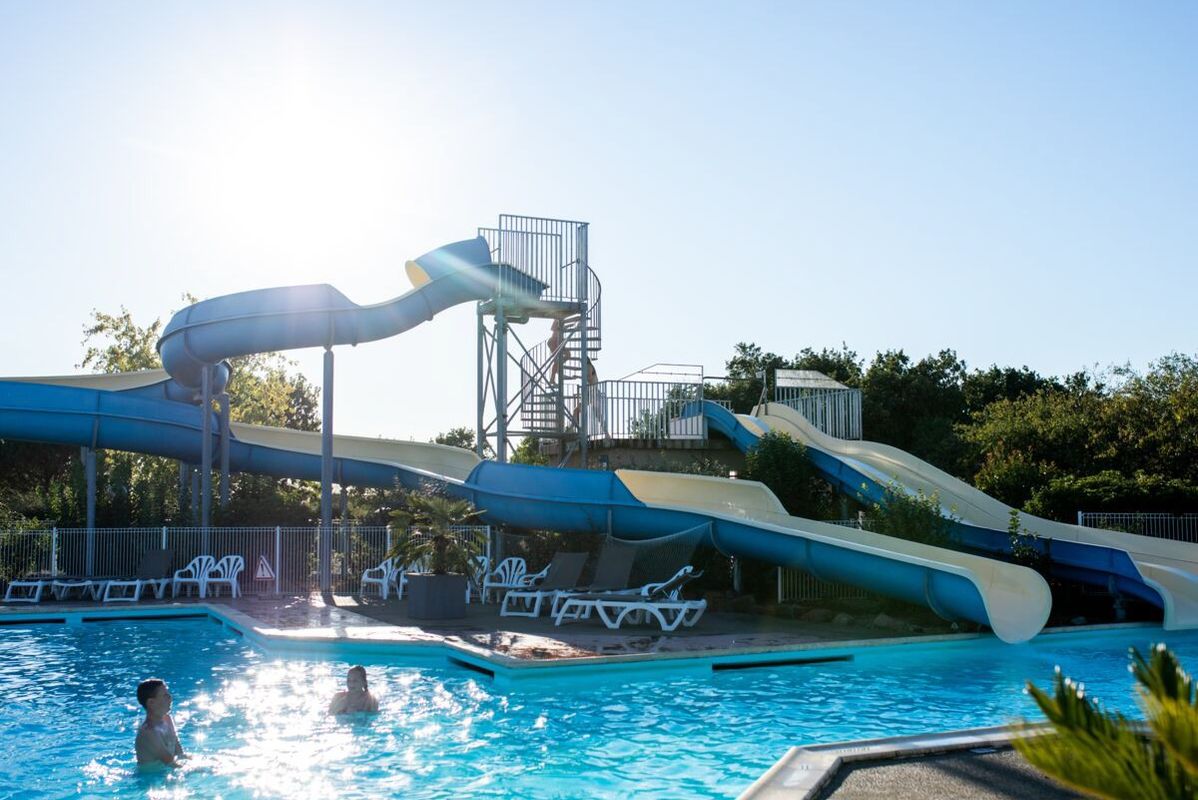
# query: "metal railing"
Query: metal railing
1177,527
279,560
836,412
553,251
647,410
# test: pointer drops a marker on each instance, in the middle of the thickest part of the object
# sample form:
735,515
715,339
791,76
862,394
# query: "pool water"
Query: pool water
255,724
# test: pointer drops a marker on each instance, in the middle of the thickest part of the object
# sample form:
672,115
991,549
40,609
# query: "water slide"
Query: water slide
151,412
1159,571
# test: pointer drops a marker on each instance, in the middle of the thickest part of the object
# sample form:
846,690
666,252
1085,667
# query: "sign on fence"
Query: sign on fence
264,572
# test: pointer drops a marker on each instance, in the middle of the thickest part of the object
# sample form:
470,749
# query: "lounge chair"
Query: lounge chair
563,572
27,589
380,576
224,573
154,572
612,572
64,587
194,574
661,602
509,574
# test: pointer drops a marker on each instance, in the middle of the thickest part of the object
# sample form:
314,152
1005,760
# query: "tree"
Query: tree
916,518
781,463
426,536
462,437
1105,754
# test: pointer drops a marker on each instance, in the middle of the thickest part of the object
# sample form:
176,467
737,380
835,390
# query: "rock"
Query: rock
842,619
889,623
817,615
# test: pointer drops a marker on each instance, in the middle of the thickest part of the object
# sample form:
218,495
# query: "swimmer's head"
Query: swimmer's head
355,679
154,696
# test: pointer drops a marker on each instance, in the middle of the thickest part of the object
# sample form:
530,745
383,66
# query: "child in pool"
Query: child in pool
356,696
157,741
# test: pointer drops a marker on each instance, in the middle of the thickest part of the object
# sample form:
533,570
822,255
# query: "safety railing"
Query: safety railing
1177,527
278,560
646,410
553,251
836,412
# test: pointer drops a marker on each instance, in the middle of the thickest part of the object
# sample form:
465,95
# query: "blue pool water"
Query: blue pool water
255,723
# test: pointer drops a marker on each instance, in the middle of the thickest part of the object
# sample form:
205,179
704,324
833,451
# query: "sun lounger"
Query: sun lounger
27,589
563,573
660,602
612,572
154,573
64,588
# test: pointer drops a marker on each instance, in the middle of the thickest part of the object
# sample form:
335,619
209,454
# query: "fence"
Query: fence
647,410
835,412
277,560
800,585
1178,527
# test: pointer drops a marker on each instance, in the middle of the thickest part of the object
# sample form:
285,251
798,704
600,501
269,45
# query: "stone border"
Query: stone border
804,771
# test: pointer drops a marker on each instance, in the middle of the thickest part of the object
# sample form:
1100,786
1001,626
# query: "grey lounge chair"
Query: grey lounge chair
564,572
612,573
154,573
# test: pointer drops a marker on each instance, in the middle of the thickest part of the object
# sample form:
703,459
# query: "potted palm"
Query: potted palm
426,523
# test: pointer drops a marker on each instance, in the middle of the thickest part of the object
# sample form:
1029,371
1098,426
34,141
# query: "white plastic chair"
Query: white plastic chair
224,573
509,574
194,574
381,576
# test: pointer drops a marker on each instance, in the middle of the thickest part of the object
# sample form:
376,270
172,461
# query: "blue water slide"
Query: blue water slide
565,500
1109,568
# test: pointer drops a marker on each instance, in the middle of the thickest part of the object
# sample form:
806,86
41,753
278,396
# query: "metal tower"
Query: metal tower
554,375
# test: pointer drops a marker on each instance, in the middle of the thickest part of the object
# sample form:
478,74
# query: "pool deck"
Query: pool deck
509,640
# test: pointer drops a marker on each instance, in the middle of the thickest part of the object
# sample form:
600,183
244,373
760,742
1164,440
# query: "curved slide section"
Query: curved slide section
747,520
1160,571
291,317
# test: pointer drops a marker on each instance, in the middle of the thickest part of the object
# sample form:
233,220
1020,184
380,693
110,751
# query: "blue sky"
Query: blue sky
1017,181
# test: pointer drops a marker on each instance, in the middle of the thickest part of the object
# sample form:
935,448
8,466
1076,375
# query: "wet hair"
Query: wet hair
147,689
358,668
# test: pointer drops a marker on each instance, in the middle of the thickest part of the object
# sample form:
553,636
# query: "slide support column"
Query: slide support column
326,474
89,471
223,400
206,459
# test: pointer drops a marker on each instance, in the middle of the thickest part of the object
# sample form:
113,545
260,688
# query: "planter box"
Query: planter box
436,596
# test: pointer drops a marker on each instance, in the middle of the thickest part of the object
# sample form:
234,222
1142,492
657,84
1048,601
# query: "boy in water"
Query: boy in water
356,696
157,741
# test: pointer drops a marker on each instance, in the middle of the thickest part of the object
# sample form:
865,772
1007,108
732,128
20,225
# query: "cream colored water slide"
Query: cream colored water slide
1169,567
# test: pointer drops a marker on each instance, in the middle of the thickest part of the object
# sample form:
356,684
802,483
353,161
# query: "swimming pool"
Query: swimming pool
256,727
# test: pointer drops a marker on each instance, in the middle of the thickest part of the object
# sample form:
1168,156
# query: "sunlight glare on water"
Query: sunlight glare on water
255,725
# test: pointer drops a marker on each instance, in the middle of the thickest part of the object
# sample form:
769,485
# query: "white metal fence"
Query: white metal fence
835,412
800,585
1178,527
277,560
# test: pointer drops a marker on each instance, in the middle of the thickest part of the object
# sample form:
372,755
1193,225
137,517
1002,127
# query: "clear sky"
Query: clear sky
1018,181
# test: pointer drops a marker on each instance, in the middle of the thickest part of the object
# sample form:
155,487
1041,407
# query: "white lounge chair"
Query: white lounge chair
563,572
153,573
27,590
224,574
508,574
64,587
194,574
661,602
381,576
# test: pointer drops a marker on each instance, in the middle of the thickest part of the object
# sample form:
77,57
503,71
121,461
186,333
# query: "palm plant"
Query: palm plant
1105,754
426,522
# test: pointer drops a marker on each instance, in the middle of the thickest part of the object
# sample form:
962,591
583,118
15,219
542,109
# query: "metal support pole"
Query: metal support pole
500,367
223,400
54,552
206,458
326,474
278,553
193,478
89,471
584,413
480,441
184,489
344,535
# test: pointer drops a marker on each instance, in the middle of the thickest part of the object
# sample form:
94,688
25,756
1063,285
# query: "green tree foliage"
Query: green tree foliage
915,517
462,437
742,389
529,452
781,463
1106,755
425,523
915,405
47,481
1112,491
